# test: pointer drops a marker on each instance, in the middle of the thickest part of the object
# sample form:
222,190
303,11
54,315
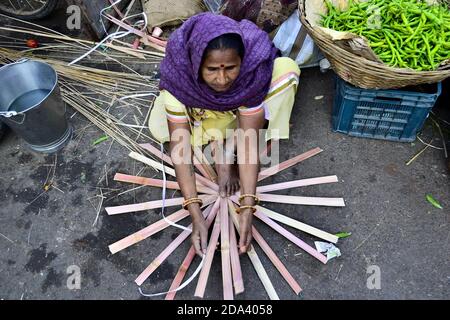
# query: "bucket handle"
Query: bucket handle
9,114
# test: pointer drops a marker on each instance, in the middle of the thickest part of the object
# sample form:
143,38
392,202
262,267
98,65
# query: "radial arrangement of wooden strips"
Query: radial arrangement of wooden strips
221,216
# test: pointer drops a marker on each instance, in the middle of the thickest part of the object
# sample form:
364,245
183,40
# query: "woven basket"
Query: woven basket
365,73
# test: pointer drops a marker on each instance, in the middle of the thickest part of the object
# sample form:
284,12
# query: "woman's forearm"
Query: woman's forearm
248,153
181,154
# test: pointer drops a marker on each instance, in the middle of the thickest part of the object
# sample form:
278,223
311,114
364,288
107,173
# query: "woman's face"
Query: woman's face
220,68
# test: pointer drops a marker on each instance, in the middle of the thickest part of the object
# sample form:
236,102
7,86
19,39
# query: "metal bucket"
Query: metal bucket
31,105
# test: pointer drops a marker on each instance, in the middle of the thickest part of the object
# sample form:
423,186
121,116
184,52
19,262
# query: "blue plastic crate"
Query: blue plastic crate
395,115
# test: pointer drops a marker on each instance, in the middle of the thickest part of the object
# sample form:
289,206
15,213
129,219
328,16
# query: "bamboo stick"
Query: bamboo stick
157,183
291,237
238,282
200,156
185,265
181,273
154,205
296,183
276,261
225,251
198,177
307,201
147,231
288,163
204,274
298,225
208,214
261,272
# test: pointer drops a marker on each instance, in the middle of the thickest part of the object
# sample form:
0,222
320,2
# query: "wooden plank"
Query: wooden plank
259,268
307,201
152,163
291,237
225,251
156,152
157,183
287,164
147,231
238,282
203,162
181,273
296,183
276,261
207,199
298,225
204,274
185,265
198,177
171,247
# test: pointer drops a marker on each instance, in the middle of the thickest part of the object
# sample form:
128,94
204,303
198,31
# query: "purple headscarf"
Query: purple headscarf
180,68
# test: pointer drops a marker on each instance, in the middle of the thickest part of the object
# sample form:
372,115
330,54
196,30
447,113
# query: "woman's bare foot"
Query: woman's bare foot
228,179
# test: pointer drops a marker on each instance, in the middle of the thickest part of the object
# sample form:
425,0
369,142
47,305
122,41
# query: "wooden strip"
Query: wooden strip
307,201
167,159
152,163
200,168
261,272
276,261
288,163
148,231
292,237
238,282
298,225
154,205
204,274
203,161
181,274
155,151
186,264
157,183
225,251
296,183
170,248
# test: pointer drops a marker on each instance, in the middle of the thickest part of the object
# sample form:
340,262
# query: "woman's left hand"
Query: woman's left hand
245,221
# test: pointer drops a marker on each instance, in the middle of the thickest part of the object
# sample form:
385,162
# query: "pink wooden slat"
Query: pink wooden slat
296,183
186,264
154,205
166,158
171,247
276,261
203,277
155,151
147,231
181,273
291,237
288,163
203,165
157,183
225,251
235,263
307,201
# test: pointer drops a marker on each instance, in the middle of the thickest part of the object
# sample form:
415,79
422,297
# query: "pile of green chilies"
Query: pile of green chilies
403,33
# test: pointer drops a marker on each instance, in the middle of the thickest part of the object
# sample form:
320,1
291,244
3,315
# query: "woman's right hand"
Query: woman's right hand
199,236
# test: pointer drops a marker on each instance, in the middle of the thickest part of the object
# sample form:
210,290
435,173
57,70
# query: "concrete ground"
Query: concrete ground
396,234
